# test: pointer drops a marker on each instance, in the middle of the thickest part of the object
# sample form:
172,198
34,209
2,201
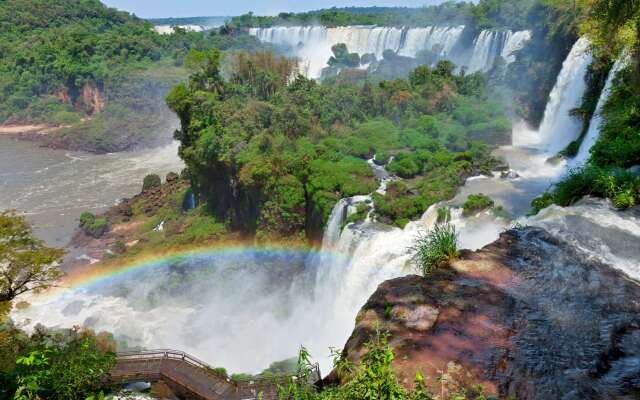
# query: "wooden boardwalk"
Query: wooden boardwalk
192,377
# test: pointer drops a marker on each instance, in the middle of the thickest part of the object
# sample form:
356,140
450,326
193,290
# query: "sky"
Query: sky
193,8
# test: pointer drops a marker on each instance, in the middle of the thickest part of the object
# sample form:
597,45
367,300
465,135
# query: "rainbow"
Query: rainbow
93,277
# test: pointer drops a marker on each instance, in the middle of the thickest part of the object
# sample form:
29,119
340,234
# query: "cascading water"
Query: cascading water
514,42
485,48
439,39
313,43
247,310
558,127
598,230
594,126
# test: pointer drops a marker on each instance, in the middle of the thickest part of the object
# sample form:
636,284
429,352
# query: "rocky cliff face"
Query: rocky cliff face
528,317
90,98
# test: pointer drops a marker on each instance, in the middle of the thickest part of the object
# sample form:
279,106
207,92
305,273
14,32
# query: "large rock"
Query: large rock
528,317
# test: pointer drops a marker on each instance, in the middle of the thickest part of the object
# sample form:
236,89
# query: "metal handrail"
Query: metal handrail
163,354
168,354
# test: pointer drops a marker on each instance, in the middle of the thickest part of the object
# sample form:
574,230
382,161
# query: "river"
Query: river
53,187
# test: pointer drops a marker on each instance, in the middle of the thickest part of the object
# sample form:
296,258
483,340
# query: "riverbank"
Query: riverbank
28,131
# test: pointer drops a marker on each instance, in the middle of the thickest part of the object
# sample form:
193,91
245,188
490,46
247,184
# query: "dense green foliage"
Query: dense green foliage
611,26
619,142
476,203
69,364
372,379
26,264
54,47
92,226
202,21
436,248
271,154
151,181
99,72
485,14
617,184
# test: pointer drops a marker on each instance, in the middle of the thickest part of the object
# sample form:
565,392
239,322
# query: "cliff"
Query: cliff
528,317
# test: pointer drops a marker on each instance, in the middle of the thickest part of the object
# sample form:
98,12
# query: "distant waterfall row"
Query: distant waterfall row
313,43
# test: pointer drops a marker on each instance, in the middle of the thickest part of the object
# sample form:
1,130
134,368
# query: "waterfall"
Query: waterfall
594,126
514,42
439,39
490,45
312,44
558,128
483,52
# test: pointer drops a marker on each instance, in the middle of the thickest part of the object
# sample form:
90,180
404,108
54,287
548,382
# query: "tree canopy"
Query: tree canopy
26,264
270,152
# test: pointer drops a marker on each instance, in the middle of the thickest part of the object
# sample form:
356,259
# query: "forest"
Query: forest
487,14
272,156
98,72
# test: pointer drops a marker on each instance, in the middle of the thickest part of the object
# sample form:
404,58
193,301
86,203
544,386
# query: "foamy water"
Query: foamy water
247,312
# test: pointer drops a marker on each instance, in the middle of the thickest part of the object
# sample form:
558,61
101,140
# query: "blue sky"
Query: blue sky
192,8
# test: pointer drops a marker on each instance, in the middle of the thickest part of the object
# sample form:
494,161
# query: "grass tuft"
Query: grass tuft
435,249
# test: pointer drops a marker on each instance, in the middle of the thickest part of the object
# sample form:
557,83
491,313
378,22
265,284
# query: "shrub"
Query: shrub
86,219
476,203
435,249
613,183
151,181
406,166
221,371
624,199
71,366
362,210
97,228
92,226
540,203
382,158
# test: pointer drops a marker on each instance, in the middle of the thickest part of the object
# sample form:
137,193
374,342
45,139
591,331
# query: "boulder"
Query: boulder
172,177
528,317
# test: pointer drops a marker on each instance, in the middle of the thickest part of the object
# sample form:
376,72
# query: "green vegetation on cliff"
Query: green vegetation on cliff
612,27
270,152
100,71
373,378
486,14
476,203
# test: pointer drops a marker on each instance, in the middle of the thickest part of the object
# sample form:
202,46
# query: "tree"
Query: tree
614,26
72,365
26,264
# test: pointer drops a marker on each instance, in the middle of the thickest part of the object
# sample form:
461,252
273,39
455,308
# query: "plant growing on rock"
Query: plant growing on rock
444,215
92,226
476,203
435,249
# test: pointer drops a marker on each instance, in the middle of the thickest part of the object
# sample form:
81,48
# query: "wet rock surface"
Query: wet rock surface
529,317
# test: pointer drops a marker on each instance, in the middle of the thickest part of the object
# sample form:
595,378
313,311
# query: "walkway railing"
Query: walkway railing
180,369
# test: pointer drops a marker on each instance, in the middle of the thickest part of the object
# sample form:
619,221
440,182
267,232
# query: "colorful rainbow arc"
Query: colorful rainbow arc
95,275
